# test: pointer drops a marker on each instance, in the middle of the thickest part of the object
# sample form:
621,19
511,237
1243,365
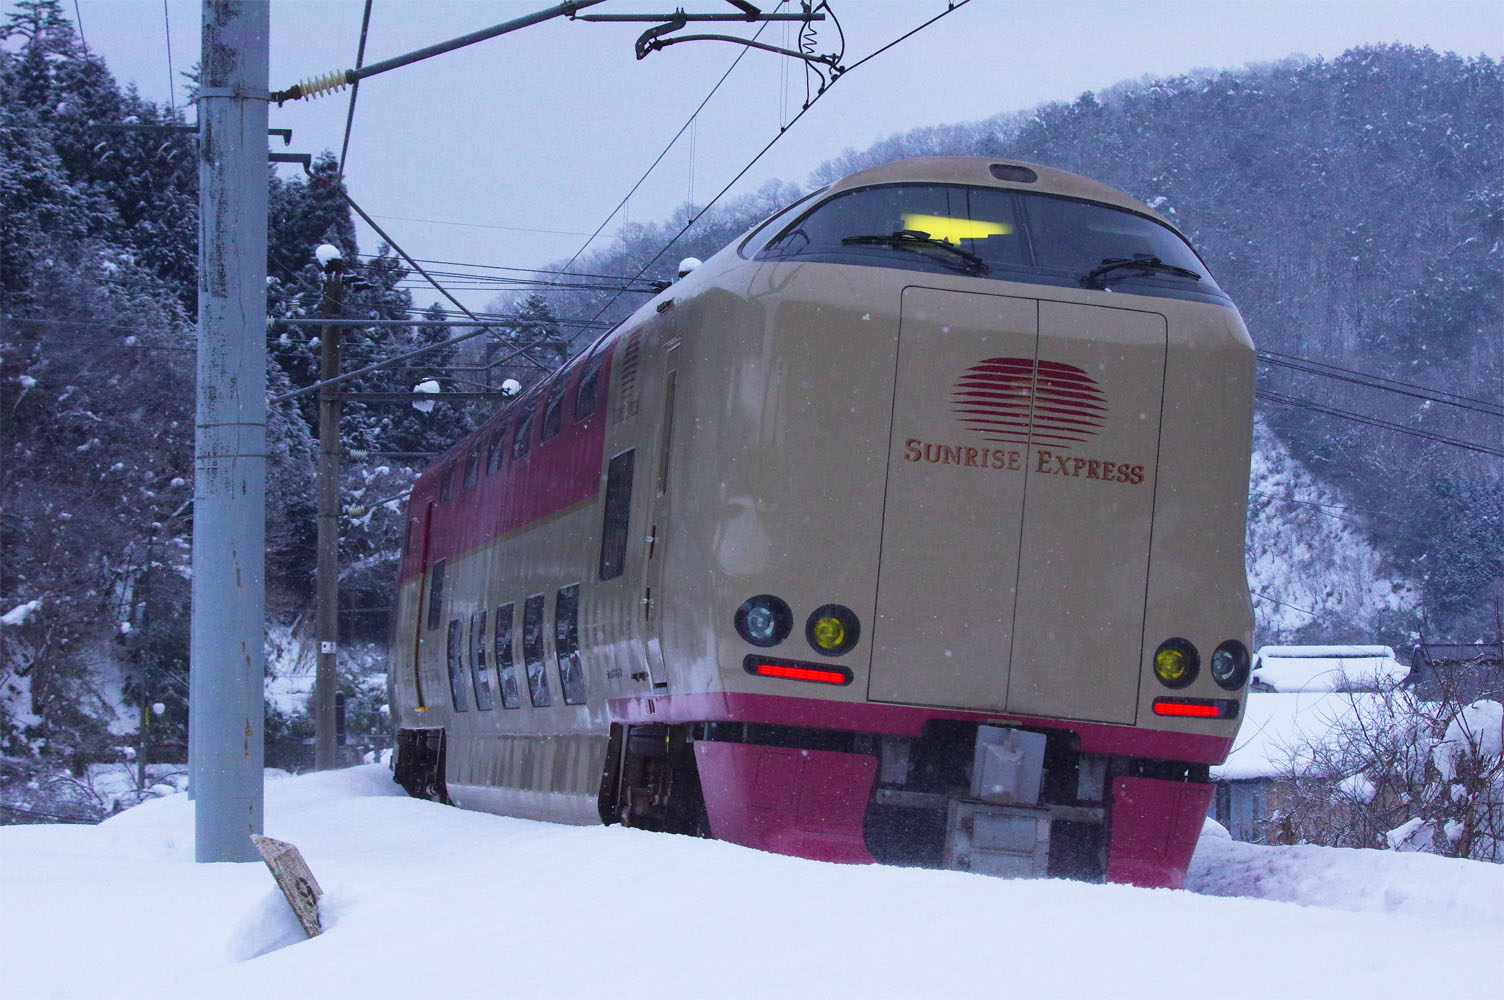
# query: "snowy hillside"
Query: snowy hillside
421,899
1307,553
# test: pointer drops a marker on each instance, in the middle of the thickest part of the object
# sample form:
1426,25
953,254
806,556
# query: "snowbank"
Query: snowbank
424,899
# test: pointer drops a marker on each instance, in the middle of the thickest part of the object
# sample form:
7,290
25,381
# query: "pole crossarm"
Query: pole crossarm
339,79
377,366
315,321
680,15
420,397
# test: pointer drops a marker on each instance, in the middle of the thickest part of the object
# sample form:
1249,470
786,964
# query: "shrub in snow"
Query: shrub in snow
1393,770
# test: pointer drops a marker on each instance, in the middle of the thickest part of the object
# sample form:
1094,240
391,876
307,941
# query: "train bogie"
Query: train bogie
906,528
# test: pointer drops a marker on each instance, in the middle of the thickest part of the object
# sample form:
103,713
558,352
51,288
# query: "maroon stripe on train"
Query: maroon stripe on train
554,475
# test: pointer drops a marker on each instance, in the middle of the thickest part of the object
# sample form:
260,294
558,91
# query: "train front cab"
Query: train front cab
1036,595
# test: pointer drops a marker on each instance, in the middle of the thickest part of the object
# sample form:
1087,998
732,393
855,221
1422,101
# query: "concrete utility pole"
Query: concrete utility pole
325,750
229,496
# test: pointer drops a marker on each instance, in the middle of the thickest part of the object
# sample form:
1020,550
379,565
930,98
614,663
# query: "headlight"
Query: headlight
1176,663
832,630
1230,665
764,620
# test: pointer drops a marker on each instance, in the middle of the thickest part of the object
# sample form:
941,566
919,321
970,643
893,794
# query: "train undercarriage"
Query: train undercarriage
994,800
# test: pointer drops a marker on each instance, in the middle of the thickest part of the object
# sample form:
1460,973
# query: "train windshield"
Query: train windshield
992,232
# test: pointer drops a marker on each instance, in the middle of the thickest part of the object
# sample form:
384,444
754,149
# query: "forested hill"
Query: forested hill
1354,208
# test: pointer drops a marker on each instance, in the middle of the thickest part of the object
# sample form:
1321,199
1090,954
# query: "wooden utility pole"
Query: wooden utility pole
229,496
325,743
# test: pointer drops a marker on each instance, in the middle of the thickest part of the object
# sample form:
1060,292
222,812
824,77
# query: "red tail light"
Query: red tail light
791,671
1196,708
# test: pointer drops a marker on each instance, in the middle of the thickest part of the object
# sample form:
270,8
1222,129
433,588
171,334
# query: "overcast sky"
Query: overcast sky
529,140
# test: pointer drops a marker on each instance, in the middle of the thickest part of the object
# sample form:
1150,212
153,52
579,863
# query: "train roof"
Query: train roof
978,170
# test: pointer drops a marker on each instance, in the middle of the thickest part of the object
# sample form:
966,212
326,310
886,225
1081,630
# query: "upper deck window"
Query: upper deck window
553,407
585,395
995,233
494,449
521,429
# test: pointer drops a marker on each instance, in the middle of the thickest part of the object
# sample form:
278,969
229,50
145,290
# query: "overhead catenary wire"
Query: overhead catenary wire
171,76
659,159
952,8
419,268
360,58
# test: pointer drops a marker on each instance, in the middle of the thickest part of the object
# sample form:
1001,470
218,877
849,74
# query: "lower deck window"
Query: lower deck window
532,651
478,662
506,667
453,654
567,644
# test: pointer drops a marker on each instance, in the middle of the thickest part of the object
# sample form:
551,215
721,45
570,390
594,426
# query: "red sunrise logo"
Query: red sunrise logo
1014,400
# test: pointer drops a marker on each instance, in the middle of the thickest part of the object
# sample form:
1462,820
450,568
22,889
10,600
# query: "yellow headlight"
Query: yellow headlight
1170,665
829,633
1176,663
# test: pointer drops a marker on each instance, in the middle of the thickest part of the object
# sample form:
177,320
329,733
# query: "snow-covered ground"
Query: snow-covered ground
424,900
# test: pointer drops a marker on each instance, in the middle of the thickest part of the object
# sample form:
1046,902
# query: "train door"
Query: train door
653,601
1084,548
950,548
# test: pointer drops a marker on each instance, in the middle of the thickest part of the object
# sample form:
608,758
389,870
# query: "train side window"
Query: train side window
506,669
436,594
520,431
454,654
618,508
494,449
532,651
585,397
472,468
478,672
553,408
567,644
446,483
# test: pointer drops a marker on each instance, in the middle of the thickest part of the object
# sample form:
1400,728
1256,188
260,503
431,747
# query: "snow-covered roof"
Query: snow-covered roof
1327,668
1276,727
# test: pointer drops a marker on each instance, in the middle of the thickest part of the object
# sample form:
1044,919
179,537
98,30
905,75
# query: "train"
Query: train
907,528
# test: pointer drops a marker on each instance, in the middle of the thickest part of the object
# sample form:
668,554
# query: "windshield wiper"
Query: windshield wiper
913,239
1138,262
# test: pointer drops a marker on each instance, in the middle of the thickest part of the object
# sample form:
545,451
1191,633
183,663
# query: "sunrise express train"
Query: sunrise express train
908,528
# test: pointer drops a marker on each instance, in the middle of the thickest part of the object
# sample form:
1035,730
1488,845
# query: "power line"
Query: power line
500,267
1308,611
1380,382
1306,404
485,225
